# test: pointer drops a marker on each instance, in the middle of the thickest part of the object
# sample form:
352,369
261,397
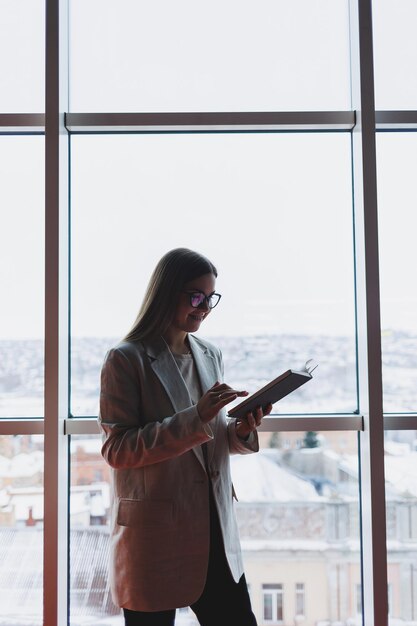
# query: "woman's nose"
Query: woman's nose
204,305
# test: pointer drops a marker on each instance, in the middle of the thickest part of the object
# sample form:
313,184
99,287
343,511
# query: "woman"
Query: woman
174,536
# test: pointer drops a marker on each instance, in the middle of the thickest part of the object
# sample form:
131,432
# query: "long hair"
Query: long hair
176,268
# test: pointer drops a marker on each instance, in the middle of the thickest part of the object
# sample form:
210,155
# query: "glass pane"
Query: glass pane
22,56
297,512
272,211
89,535
401,503
21,276
395,53
21,530
299,600
267,598
298,515
237,56
397,196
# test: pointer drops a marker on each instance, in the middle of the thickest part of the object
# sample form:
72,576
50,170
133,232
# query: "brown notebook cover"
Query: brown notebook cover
275,390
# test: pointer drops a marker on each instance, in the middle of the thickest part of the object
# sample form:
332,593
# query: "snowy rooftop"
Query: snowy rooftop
258,478
400,469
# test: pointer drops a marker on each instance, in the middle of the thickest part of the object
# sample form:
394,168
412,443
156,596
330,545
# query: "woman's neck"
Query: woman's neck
177,342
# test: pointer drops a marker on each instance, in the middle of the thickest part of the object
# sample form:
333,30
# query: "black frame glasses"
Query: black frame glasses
197,298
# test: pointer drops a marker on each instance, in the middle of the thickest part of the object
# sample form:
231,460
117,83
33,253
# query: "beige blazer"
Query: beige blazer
160,486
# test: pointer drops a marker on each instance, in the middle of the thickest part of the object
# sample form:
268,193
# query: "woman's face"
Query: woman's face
187,318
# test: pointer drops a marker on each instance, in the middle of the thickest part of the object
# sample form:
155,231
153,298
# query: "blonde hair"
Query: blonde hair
176,268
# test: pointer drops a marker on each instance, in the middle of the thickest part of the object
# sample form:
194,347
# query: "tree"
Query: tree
311,440
275,441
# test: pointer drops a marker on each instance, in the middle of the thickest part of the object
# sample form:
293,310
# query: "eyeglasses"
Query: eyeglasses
198,297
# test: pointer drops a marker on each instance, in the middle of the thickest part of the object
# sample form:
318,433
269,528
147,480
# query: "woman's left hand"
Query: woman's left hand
252,421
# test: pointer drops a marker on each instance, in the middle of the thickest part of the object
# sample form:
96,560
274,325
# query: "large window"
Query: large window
395,54
397,196
223,194
248,131
239,56
22,276
21,529
22,56
297,511
401,503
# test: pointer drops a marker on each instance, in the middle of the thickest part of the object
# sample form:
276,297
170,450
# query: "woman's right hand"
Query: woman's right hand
215,399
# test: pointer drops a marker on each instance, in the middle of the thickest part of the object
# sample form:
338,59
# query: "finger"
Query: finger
238,394
217,400
256,417
222,387
251,421
226,397
221,393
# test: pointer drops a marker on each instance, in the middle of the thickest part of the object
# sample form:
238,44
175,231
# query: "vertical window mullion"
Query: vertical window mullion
374,552
56,317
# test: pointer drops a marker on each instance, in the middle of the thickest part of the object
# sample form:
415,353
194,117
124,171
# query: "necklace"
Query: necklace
184,350
188,349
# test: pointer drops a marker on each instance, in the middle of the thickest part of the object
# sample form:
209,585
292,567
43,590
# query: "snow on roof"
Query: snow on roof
396,448
400,469
289,545
22,465
258,478
349,464
401,473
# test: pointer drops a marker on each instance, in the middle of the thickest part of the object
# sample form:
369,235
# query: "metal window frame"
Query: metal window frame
283,423
56,444
371,439
200,121
362,122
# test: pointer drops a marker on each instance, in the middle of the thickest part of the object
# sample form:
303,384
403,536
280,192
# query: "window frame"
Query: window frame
276,592
300,597
362,121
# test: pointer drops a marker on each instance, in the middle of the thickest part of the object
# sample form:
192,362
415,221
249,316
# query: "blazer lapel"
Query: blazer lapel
208,374
205,365
164,366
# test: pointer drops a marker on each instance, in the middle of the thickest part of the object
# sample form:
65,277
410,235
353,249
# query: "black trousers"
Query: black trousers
223,601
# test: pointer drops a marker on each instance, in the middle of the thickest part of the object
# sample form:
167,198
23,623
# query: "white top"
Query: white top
189,373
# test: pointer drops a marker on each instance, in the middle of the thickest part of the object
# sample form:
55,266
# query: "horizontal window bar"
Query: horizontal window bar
401,421
22,123
21,426
325,422
396,120
206,121
76,426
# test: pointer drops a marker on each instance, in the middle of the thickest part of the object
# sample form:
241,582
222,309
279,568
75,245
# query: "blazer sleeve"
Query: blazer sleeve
129,440
238,445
